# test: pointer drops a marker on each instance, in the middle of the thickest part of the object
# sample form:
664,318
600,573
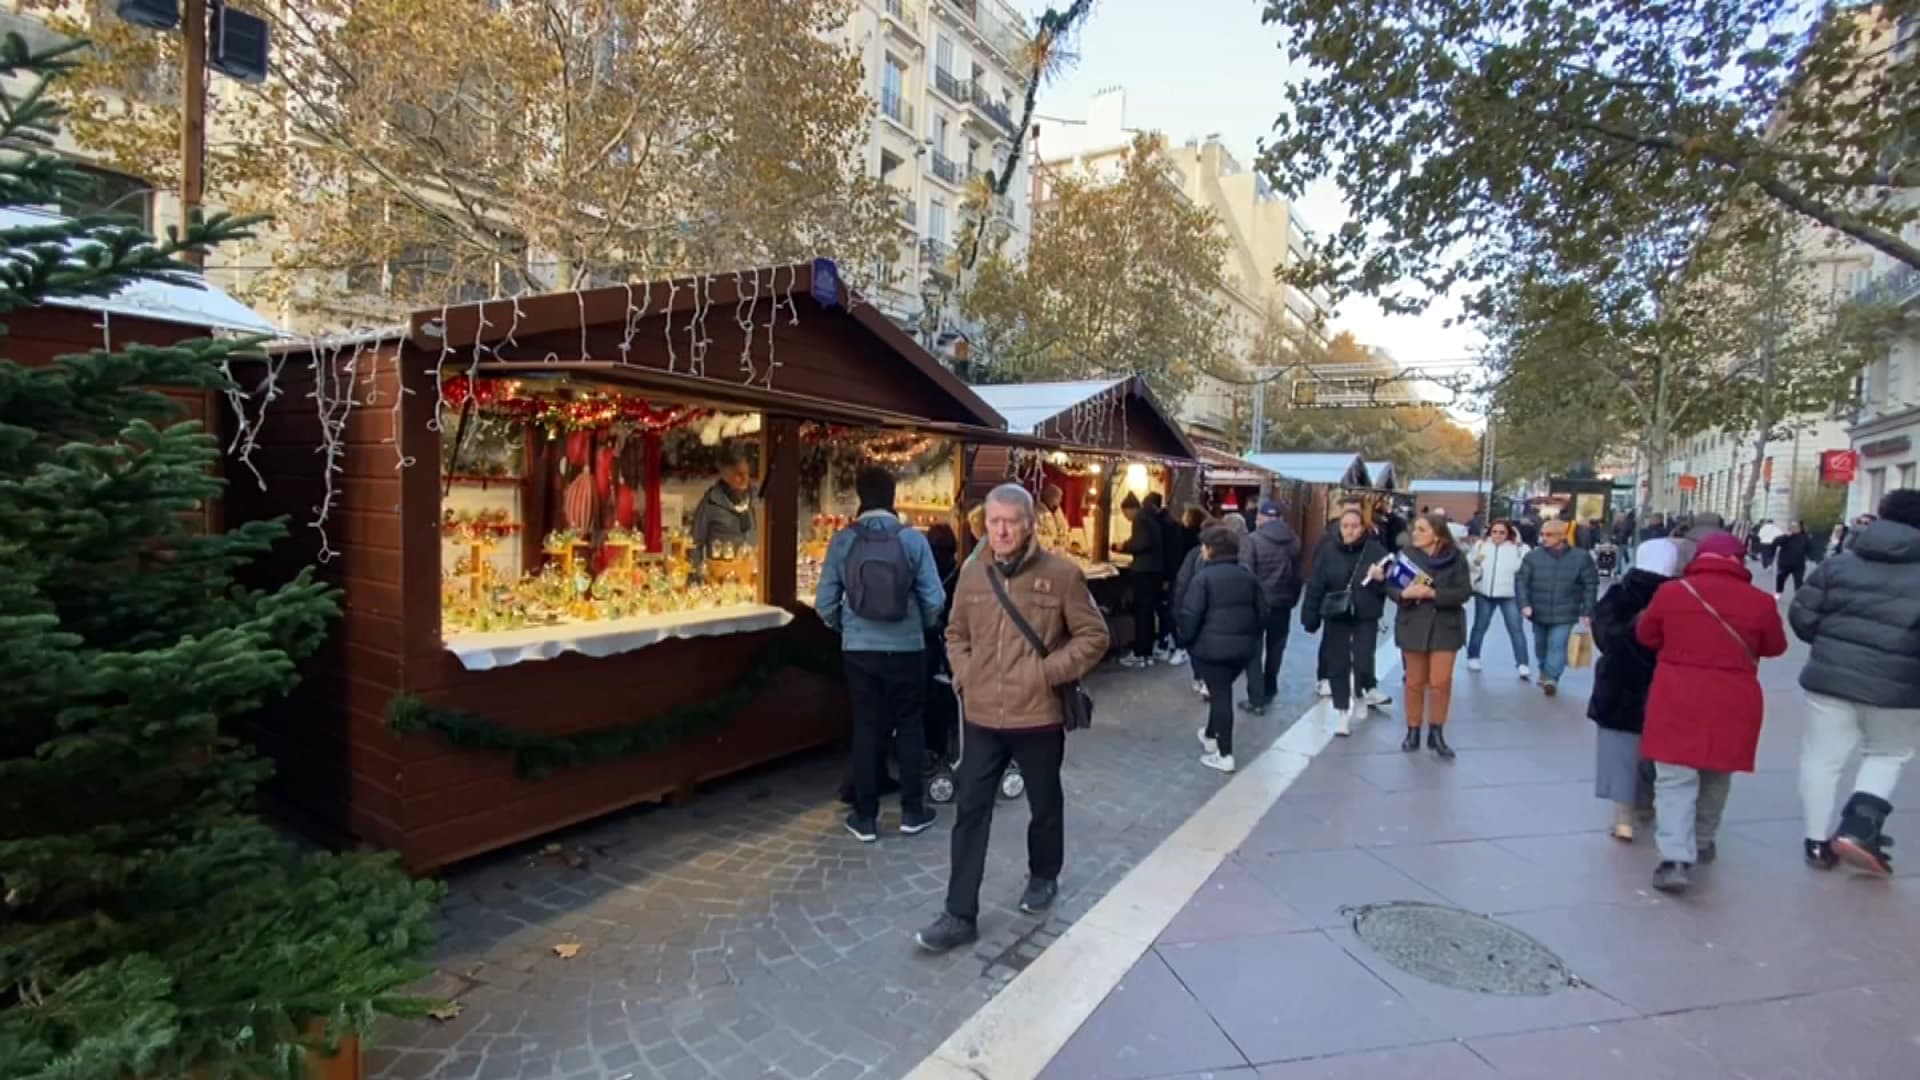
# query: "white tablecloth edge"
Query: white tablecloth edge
504,648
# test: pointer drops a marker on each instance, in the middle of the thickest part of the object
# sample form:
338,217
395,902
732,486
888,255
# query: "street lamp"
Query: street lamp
239,51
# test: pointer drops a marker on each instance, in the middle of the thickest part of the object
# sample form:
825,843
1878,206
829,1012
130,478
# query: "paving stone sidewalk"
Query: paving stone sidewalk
747,935
1766,971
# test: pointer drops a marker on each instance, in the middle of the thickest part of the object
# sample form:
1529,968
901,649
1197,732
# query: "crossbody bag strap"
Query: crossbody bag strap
1020,622
1724,624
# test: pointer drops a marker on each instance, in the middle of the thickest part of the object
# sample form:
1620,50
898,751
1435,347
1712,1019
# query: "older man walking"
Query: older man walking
1557,585
1010,698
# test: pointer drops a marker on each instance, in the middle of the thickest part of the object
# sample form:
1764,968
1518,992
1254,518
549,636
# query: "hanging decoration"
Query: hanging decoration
584,411
536,756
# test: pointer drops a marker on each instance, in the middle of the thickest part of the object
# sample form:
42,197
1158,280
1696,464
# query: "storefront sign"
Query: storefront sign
1838,467
1899,444
1689,482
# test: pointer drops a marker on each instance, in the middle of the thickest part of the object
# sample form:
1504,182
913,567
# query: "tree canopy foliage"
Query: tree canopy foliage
1467,133
428,149
1120,276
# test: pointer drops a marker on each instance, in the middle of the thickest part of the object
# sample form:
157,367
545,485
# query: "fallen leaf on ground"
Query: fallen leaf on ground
446,1011
567,951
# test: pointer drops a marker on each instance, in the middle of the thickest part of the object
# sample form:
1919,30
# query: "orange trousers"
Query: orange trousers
1429,687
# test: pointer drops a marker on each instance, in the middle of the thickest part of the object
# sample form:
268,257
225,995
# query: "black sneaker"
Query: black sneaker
863,829
1672,877
1860,843
911,822
1253,708
1039,895
1820,854
1707,853
947,933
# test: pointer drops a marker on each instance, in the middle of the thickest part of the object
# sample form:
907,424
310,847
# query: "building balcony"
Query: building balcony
951,86
895,107
935,253
992,25
945,169
993,116
905,210
903,19
1899,286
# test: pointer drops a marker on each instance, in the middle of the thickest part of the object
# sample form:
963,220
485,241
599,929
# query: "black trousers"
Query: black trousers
1347,649
1797,572
1263,675
1219,679
888,692
985,753
1147,588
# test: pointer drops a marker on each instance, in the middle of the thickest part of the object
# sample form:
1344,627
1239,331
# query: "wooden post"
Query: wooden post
1103,520
193,117
779,506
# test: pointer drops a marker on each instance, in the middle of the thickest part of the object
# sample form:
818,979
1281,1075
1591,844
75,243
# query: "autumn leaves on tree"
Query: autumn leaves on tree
428,149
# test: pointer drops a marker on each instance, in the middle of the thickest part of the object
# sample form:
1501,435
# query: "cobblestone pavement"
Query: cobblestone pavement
1765,970
746,935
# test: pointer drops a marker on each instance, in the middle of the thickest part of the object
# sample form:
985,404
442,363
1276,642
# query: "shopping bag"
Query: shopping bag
1580,648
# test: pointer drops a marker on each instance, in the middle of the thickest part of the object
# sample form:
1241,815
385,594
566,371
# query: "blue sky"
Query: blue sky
1201,67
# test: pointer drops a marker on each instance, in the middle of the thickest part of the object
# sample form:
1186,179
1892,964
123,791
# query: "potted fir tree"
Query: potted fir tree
151,923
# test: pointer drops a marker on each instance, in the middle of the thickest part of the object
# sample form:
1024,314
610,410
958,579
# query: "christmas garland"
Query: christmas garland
584,412
535,755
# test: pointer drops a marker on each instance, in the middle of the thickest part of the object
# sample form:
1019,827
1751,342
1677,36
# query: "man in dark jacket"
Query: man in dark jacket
1223,615
1622,678
1861,613
1272,553
1173,550
1556,586
1148,573
1790,554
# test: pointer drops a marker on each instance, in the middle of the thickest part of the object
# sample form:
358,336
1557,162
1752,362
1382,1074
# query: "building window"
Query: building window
109,193
1876,486
937,220
893,91
943,55
939,134
1906,475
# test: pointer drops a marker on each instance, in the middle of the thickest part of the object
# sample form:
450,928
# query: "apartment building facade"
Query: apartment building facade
1264,233
948,85
1885,432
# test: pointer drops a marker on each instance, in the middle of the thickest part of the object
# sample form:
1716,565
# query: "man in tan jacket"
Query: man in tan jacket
1011,703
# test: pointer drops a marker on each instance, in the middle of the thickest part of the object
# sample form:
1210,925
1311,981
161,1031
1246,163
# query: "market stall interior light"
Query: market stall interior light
1094,468
1137,476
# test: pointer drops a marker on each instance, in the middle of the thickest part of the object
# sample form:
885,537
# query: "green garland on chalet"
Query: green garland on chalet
535,756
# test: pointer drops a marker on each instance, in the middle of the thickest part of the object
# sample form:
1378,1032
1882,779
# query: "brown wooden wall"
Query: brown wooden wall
340,770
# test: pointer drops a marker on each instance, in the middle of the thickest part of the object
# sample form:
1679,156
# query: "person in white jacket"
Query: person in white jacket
1494,562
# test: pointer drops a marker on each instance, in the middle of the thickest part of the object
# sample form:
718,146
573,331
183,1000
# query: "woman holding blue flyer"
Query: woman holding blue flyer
1431,583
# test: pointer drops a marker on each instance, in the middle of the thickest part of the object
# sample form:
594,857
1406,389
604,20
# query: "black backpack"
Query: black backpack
879,577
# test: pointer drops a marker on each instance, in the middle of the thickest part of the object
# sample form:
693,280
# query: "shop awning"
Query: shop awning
1343,467
1226,470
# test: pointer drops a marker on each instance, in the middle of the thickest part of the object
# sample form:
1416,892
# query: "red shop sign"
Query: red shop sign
1838,466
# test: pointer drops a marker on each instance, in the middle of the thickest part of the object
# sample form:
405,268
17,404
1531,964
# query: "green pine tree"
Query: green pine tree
152,925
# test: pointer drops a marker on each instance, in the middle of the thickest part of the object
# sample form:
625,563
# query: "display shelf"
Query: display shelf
487,650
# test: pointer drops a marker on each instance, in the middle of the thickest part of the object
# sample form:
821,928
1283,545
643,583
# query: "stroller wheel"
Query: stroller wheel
1013,785
940,788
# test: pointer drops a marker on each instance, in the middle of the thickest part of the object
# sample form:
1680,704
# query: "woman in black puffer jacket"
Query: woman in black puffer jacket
1347,562
1221,620
1621,680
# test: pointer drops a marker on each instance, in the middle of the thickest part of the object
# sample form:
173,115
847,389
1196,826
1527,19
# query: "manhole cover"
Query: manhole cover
1460,949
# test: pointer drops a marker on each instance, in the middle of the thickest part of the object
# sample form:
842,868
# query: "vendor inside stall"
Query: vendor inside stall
723,523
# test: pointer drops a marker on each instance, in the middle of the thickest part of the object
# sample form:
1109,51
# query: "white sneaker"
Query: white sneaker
1359,712
1525,673
1179,657
1201,689
1132,661
1325,689
1343,722
1375,699
1220,762
1208,743
1472,664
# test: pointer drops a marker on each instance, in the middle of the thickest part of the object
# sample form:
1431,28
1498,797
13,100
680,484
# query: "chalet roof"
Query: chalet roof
1045,409
179,303
1381,473
1314,467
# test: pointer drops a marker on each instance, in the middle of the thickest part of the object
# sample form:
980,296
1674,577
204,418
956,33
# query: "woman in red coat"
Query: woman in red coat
1710,628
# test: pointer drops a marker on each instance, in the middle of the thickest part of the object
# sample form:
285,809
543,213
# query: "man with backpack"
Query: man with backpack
880,590
1272,553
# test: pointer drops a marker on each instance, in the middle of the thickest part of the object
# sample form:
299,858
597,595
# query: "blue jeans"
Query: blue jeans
1509,609
1550,645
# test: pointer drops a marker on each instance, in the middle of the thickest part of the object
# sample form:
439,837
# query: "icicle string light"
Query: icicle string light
401,391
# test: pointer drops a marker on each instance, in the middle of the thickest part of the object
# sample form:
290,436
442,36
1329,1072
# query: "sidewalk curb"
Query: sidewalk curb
1024,1026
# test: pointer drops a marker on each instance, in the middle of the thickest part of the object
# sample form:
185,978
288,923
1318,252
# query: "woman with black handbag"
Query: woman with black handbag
1345,593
